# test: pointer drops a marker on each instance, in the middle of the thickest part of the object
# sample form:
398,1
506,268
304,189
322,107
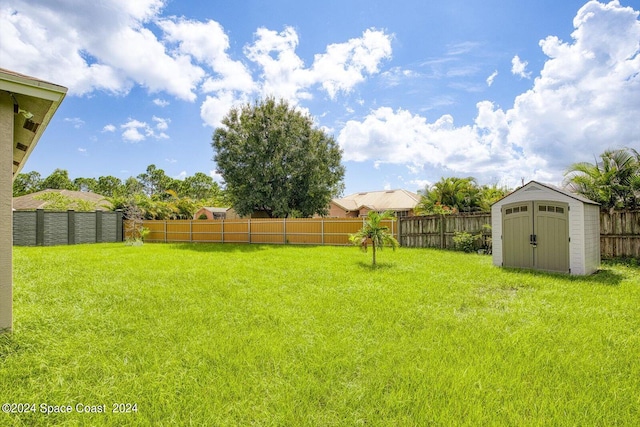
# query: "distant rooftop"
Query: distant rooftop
380,200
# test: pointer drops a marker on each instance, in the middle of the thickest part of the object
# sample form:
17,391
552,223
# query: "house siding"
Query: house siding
6,214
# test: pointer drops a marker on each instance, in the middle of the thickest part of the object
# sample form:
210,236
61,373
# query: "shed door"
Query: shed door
551,226
517,227
536,235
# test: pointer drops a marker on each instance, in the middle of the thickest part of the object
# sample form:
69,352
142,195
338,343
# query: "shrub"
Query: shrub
463,241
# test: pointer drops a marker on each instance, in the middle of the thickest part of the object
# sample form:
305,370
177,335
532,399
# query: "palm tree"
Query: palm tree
459,194
373,231
609,181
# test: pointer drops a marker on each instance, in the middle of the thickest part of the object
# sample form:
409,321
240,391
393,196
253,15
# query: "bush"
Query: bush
463,241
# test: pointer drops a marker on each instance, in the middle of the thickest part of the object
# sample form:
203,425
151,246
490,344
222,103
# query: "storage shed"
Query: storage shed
543,227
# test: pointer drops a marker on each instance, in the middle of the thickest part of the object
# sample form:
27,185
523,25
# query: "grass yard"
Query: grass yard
224,335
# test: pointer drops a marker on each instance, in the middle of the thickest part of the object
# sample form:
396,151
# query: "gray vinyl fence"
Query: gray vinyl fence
50,228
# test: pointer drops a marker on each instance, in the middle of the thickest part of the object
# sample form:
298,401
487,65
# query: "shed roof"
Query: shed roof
551,187
379,200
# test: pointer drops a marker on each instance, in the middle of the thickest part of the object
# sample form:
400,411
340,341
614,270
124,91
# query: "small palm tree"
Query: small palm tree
373,231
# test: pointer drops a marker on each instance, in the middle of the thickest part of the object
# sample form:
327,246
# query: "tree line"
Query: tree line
613,180
153,193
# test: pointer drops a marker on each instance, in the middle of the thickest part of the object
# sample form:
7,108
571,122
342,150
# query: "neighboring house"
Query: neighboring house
26,108
216,213
38,200
356,205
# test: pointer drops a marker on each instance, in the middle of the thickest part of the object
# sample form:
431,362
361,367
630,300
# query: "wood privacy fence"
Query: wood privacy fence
48,228
619,231
303,231
437,231
620,234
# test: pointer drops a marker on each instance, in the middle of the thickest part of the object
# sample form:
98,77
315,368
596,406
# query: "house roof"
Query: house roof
215,210
396,200
31,202
35,102
552,188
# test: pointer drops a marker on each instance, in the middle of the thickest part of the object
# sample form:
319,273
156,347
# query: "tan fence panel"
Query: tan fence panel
207,231
305,231
156,231
267,231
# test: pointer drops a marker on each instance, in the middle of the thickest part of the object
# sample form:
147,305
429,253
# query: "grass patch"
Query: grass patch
292,335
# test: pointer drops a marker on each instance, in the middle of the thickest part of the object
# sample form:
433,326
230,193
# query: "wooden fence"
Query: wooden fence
304,231
437,231
620,234
619,231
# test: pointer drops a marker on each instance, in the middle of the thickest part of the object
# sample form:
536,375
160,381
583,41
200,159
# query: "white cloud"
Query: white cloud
492,77
519,67
161,102
109,128
344,64
214,108
170,160
207,43
161,124
75,121
216,176
585,100
339,69
181,176
137,131
114,45
89,46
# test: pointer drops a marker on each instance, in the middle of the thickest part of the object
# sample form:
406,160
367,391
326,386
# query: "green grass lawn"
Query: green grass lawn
313,336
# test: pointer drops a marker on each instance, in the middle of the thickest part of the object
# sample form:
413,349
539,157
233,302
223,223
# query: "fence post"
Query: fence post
71,227
165,231
284,231
190,231
222,231
249,228
39,227
119,225
98,226
322,230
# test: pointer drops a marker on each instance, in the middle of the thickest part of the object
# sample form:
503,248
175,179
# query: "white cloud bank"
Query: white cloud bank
109,46
585,100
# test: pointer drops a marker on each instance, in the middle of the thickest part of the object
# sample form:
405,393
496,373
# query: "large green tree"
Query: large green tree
274,160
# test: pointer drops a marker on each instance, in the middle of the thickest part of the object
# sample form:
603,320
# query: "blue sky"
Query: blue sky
413,90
